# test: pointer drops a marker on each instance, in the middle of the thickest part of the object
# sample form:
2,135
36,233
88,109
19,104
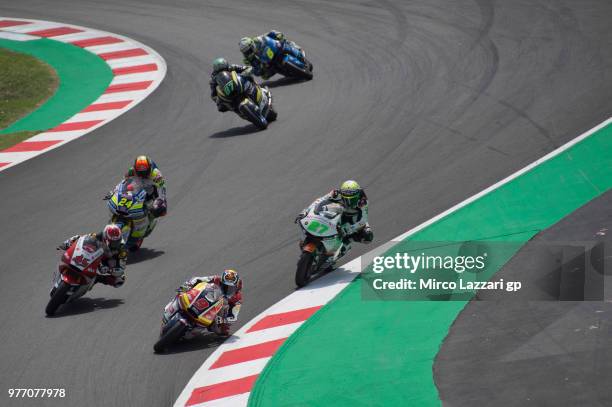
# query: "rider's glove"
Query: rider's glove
183,288
67,243
300,216
159,208
108,196
104,270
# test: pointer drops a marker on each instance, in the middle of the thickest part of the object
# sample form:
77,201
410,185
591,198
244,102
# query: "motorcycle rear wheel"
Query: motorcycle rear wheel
59,297
304,269
297,72
171,336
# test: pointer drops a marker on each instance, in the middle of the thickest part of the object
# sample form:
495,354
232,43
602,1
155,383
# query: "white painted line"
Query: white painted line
17,156
60,135
17,37
237,371
118,96
131,61
26,28
238,341
78,36
130,78
98,115
103,49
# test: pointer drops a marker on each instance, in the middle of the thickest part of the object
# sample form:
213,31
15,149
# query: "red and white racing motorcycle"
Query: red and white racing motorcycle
76,273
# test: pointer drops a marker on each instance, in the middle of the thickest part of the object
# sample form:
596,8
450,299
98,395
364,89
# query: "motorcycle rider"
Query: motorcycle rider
231,89
231,287
154,183
112,267
253,48
354,220
221,65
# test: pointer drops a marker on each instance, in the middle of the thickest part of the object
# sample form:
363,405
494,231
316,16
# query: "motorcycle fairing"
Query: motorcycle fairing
202,309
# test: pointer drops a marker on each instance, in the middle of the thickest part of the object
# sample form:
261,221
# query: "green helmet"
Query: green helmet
247,47
220,64
351,193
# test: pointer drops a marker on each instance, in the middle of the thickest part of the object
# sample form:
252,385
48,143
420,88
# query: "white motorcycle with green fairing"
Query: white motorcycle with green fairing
322,241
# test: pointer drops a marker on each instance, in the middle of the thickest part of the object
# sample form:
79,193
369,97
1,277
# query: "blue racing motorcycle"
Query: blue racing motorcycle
285,58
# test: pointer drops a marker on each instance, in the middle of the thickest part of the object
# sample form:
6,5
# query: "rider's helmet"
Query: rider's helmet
111,235
226,86
230,282
247,47
220,64
143,166
351,193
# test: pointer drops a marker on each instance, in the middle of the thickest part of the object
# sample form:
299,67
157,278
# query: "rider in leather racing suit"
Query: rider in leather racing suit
232,88
252,49
112,267
221,65
354,220
231,286
153,182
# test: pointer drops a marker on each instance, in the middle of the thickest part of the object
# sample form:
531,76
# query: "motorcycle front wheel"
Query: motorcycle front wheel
250,112
304,269
171,336
58,298
272,114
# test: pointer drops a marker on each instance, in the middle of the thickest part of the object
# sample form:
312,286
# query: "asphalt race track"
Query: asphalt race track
552,340
423,102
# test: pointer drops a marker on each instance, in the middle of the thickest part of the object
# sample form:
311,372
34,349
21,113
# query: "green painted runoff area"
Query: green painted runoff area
83,77
355,352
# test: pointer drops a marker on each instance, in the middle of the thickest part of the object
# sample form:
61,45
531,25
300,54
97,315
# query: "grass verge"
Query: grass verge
25,84
8,140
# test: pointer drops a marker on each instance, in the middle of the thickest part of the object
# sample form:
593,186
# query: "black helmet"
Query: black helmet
226,85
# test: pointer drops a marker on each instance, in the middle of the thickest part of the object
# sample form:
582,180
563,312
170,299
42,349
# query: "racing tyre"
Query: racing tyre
171,336
58,298
297,72
249,111
304,269
272,115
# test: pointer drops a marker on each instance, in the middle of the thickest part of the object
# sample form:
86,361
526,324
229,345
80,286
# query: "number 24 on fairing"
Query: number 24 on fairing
125,202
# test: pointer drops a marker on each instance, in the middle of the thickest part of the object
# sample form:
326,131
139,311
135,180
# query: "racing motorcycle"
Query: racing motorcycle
76,273
288,60
257,110
321,242
198,310
131,212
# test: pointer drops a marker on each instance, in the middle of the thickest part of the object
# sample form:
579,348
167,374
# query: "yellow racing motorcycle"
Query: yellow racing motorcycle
131,211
